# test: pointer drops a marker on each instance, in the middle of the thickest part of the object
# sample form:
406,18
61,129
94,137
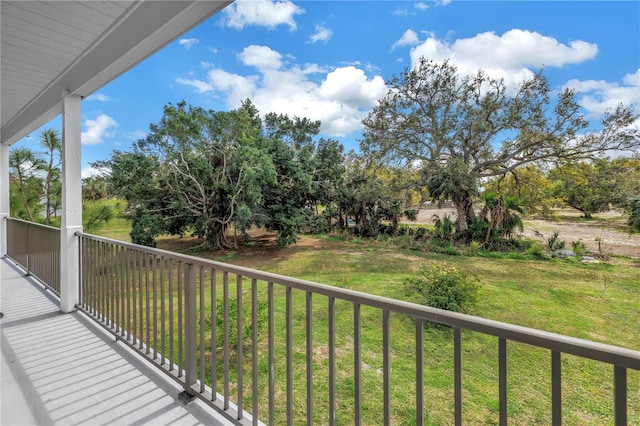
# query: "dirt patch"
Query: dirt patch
598,236
606,233
262,250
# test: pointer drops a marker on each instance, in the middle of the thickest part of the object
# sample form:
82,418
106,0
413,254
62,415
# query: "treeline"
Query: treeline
208,172
494,151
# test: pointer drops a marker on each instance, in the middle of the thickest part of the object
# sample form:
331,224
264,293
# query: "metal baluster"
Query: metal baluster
225,330
419,372
134,292
270,350
202,325
214,338
457,374
556,388
190,331
332,361
386,360
171,319
163,295
128,271
141,258
180,323
239,355
620,395
254,350
289,356
357,364
154,283
309,314
502,380
147,307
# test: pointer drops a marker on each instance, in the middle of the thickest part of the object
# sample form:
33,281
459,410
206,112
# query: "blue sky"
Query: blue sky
329,60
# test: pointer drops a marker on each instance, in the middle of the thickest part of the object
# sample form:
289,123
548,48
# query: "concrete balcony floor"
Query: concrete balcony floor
62,369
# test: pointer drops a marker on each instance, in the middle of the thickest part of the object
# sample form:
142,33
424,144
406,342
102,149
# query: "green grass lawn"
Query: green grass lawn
599,302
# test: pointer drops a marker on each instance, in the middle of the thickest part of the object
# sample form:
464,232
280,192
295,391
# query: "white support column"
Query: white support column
71,204
4,196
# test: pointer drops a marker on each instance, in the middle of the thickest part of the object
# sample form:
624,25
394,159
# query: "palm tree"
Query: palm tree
94,188
25,164
50,139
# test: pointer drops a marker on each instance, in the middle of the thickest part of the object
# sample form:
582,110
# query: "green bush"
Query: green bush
554,242
579,247
145,228
441,246
536,250
446,287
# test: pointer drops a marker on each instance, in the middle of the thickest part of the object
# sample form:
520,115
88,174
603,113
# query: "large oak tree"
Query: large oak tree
462,129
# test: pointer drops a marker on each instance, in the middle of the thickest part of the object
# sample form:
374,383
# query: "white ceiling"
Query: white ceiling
50,47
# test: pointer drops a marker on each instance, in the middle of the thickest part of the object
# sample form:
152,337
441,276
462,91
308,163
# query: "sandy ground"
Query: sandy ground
606,234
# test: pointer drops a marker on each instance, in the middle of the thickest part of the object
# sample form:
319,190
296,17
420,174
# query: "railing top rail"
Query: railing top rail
15,219
615,355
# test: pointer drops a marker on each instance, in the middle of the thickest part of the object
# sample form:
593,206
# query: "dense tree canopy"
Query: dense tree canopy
207,171
595,186
462,129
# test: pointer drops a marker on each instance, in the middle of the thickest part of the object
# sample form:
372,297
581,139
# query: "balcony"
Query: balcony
64,369
159,307
97,331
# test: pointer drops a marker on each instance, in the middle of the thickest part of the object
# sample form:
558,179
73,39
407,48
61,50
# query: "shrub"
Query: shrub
145,228
537,251
579,247
554,243
421,233
441,246
446,287
444,228
634,213
473,248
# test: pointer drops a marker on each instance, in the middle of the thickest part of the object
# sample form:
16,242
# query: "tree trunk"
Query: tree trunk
216,237
24,197
464,207
394,225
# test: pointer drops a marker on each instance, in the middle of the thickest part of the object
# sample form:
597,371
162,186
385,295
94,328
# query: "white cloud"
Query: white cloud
200,86
101,97
322,34
89,172
264,13
420,6
599,96
339,97
509,56
261,57
409,38
96,130
404,13
188,43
